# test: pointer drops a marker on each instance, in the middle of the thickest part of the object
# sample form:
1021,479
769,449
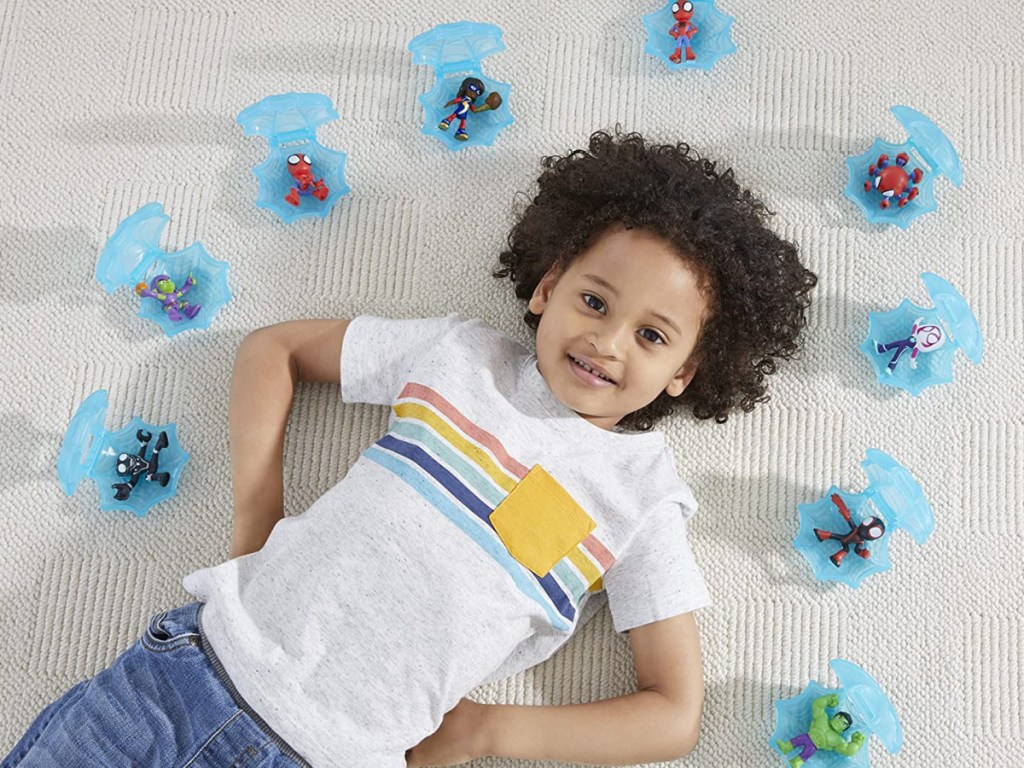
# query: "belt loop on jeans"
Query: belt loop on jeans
241,703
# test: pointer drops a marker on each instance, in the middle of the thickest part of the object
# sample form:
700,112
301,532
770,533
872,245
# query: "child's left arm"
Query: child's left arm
661,721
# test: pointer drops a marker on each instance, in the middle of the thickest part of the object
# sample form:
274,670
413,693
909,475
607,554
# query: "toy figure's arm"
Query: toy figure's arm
268,364
189,283
675,31
851,747
819,705
659,722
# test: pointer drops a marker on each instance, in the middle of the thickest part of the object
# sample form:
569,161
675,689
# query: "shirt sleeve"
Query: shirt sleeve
656,577
378,354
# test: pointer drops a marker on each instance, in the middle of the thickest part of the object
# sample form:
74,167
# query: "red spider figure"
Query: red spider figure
892,180
304,184
868,530
683,31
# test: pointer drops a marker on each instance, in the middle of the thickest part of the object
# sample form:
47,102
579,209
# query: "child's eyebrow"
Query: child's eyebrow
603,283
611,289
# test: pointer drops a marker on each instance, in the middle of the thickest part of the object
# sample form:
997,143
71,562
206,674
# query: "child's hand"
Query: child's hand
457,741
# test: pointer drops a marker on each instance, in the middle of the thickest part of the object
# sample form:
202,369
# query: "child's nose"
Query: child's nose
608,340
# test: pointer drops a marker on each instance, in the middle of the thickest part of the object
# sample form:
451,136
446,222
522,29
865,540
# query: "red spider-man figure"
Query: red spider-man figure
683,31
892,180
299,166
869,529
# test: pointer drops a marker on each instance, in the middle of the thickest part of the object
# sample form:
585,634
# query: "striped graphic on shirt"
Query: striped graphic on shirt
465,472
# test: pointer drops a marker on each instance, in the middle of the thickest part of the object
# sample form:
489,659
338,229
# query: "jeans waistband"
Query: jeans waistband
222,675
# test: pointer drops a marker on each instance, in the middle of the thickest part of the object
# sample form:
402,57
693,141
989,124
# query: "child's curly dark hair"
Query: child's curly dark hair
756,286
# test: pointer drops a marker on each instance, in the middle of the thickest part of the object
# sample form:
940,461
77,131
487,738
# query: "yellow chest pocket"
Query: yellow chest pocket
539,522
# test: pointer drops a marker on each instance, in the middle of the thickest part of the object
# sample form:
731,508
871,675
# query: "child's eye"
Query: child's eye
593,302
652,335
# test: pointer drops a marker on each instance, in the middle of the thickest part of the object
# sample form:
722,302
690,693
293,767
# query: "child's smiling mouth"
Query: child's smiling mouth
588,372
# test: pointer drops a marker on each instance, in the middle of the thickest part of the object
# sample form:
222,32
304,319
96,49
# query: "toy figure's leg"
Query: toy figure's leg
444,124
154,463
292,196
807,752
461,134
690,55
677,55
785,746
837,558
173,314
123,490
190,310
823,535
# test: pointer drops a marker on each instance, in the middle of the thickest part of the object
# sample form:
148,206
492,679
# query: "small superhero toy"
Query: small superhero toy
922,338
681,21
869,529
824,733
892,181
470,90
683,31
163,289
300,167
136,466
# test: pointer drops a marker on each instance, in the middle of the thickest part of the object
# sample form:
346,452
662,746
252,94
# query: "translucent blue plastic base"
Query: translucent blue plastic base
942,329
288,122
861,697
88,450
712,41
132,255
455,52
823,514
927,147
892,495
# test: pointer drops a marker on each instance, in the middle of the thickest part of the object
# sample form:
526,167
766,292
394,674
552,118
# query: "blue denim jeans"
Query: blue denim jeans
164,703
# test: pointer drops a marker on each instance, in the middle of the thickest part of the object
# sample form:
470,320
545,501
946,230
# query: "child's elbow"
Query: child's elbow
686,739
686,731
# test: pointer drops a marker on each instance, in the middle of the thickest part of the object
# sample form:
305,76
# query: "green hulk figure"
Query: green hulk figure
824,733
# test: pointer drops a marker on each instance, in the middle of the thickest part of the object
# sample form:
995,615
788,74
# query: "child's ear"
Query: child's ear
682,377
542,293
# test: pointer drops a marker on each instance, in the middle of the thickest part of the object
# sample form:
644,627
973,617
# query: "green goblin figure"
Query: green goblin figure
825,733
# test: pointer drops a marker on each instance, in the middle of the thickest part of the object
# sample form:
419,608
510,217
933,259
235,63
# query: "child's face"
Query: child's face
629,309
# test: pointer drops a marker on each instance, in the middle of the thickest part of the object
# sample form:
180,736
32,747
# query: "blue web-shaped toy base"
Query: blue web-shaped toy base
712,41
146,494
133,255
823,514
869,200
933,368
483,128
793,717
88,450
275,181
210,291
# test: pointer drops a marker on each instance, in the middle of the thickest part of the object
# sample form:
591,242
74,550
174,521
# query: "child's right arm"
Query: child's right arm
269,362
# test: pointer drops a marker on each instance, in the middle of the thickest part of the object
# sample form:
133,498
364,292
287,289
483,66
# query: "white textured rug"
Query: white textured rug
109,104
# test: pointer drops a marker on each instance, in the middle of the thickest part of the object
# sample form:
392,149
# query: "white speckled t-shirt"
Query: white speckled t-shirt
461,547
